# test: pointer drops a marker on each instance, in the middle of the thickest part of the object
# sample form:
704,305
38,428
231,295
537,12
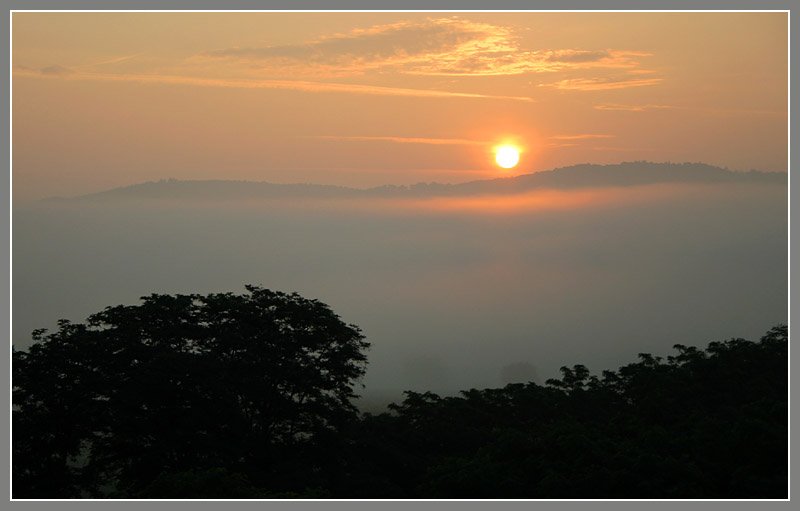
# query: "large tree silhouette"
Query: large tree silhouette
249,396
180,384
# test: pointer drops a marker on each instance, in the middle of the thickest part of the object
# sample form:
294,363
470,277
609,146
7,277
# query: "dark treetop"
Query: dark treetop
178,383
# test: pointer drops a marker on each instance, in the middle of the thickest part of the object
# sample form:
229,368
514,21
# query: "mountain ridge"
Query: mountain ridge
570,177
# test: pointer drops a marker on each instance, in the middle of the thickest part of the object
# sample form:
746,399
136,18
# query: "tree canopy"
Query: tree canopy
701,424
178,383
249,396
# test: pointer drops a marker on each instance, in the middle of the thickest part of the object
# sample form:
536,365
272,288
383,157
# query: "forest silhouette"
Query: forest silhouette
251,396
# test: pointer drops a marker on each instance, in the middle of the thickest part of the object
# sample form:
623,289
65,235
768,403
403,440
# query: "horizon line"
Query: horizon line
391,185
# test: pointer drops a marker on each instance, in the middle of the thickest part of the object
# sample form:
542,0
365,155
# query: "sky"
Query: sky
451,291
102,100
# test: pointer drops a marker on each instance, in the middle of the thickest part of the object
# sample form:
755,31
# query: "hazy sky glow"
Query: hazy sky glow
363,99
451,284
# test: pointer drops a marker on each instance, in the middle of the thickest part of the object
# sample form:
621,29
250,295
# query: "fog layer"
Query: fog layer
452,292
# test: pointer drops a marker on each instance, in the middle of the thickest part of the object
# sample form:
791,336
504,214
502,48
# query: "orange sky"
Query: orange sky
363,99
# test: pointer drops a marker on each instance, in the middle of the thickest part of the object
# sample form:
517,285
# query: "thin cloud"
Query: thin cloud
595,84
56,70
581,136
298,85
115,60
515,61
560,141
409,45
442,46
630,108
710,110
615,149
578,55
402,41
407,140
558,144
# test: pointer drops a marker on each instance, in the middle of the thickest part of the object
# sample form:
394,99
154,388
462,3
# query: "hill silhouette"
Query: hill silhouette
572,177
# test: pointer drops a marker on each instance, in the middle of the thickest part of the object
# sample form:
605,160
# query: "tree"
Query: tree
705,423
182,383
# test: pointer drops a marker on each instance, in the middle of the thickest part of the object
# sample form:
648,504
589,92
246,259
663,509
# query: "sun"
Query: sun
507,156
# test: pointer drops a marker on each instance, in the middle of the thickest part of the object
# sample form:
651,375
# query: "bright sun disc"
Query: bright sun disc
507,156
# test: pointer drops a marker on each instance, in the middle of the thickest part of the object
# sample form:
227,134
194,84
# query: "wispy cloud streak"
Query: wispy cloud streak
630,108
297,85
581,136
596,84
408,140
115,60
440,46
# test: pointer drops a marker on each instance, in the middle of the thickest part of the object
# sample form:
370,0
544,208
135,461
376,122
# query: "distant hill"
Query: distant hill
576,176
589,176
217,189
